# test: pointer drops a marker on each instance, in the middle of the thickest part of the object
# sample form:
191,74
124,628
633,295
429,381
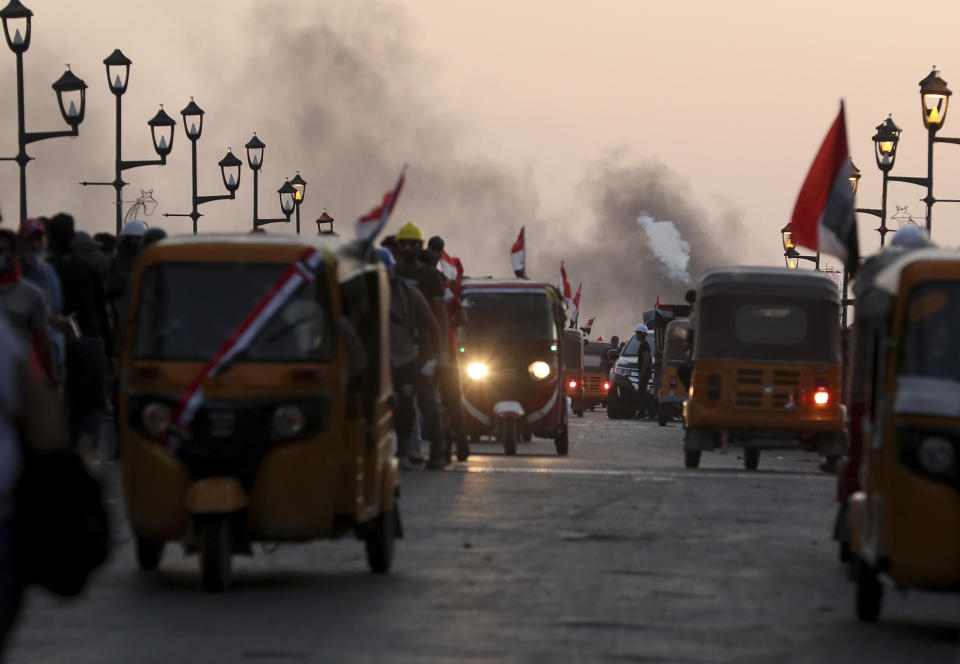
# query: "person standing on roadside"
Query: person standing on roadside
427,281
29,411
83,299
36,270
121,267
414,335
24,305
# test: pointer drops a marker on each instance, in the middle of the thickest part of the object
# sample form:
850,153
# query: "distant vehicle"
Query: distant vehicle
767,364
512,360
623,399
573,343
596,378
673,391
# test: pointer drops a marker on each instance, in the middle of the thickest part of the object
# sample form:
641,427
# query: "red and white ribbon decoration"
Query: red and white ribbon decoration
301,271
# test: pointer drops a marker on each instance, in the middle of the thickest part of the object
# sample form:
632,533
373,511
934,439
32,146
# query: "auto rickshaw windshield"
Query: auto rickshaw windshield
786,329
931,346
186,311
513,316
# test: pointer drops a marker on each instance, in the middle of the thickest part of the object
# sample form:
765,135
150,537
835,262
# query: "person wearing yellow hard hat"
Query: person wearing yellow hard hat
410,242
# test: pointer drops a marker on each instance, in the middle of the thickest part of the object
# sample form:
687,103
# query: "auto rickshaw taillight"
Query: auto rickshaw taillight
821,396
606,386
714,383
572,384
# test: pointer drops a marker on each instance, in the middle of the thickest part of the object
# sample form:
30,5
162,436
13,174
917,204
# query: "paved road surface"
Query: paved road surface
615,553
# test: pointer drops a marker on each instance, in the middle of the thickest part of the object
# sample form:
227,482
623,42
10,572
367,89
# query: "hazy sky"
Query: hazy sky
556,114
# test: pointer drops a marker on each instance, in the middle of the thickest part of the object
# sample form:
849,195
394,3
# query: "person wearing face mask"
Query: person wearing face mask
23,305
36,270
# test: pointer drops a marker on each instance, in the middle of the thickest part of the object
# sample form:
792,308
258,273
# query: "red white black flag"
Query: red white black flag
824,218
518,255
564,284
370,224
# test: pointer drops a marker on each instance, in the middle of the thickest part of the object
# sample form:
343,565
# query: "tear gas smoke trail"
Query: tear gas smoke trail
667,245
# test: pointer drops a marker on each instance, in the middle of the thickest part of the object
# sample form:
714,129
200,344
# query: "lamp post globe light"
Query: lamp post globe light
70,91
300,185
161,130
255,148
791,256
192,116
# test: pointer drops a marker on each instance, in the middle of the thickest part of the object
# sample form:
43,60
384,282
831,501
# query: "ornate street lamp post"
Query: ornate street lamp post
325,218
791,256
301,186
254,149
229,166
161,130
71,93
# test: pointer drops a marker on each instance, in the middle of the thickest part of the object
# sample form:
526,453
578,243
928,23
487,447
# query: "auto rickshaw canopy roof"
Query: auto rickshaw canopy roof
887,277
256,247
762,281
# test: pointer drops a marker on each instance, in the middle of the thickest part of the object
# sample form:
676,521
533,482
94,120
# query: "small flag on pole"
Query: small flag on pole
824,216
370,224
575,308
518,255
564,284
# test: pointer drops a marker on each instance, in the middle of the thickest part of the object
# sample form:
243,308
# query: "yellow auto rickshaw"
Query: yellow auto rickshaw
767,364
676,354
255,399
596,376
573,369
904,517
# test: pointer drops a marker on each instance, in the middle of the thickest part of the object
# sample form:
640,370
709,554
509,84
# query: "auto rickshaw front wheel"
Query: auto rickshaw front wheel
149,553
379,540
216,553
691,458
869,593
562,440
510,436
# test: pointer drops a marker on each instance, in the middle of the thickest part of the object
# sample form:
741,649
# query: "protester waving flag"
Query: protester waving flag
370,224
518,255
575,308
823,217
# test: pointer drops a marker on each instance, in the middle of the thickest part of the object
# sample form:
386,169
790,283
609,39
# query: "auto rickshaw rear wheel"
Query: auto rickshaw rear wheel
216,553
869,593
379,540
691,458
463,448
149,553
751,458
562,440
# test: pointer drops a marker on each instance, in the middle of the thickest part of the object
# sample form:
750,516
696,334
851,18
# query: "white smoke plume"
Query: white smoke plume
667,245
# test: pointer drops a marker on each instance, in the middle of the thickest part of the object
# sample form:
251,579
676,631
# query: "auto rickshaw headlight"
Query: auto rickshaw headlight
539,369
477,370
156,418
287,421
936,455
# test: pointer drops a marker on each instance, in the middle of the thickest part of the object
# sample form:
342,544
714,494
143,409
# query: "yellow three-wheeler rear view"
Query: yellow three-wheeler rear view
767,364
254,400
904,521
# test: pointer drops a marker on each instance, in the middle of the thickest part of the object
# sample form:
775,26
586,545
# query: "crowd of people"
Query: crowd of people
424,316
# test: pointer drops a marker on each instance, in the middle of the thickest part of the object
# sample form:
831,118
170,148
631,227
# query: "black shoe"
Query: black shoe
436,463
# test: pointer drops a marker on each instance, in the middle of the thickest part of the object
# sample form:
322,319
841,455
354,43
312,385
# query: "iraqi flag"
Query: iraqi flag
564,284
575,307
370,224
588,327
452,270
824,216
663,310
518,255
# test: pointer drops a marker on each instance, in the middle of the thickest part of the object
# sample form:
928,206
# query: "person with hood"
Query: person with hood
84,300
36,270
121,267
